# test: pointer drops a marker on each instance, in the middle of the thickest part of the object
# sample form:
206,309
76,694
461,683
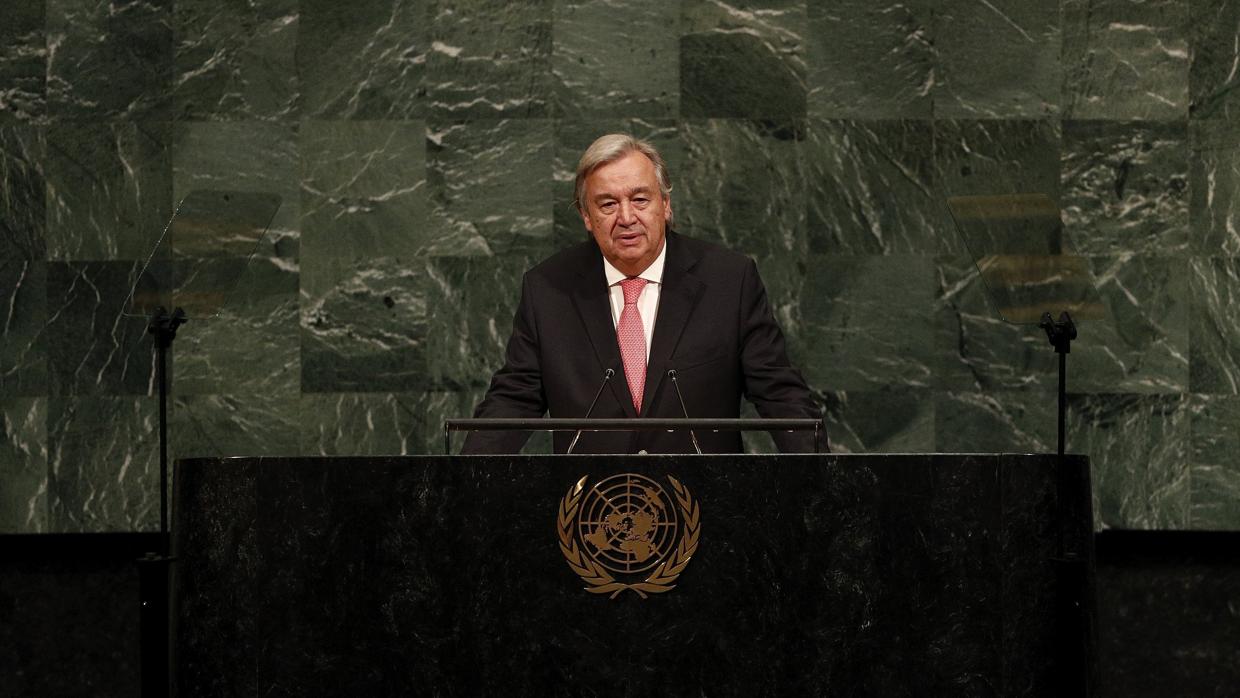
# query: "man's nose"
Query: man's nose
627,214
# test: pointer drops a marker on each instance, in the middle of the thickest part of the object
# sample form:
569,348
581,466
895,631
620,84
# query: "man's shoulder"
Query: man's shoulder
568,263
711,256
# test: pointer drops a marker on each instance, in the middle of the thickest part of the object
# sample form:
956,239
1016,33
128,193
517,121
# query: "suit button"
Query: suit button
642,452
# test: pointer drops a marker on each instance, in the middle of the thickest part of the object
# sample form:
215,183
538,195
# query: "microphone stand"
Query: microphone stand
576,437
692,434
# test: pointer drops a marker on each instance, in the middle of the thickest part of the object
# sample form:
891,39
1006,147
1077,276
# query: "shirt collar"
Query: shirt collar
653,273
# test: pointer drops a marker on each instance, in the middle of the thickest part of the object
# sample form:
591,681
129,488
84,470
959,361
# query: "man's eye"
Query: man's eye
641,201
607,207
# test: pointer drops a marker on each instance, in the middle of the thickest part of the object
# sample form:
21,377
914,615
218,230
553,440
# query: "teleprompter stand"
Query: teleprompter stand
193,268
1030,273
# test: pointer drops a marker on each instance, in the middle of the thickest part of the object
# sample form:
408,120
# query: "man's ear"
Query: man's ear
667,208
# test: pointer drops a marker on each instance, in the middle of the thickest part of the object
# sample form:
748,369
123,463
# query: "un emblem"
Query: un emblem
628,532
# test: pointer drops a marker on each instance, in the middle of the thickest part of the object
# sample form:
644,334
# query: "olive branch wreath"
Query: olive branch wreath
599,579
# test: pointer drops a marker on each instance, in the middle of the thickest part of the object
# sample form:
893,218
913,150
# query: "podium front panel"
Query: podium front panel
802,575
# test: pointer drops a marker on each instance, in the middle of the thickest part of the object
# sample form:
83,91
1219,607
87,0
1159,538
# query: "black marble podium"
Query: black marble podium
894,575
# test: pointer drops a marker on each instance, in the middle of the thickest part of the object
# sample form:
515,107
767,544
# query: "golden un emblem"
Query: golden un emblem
628,532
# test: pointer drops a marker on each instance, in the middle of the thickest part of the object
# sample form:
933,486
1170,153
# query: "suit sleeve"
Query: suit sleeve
516,389
772,384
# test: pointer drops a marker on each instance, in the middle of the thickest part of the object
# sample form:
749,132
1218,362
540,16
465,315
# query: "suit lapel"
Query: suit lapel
679,294
593,306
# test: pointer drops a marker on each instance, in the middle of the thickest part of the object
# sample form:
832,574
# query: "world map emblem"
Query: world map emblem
628,532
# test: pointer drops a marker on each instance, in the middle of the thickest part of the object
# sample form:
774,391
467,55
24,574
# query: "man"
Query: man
639,301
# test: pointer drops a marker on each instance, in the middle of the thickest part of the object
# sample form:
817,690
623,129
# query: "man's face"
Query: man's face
626,213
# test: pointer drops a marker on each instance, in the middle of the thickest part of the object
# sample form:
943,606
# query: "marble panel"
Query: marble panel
743,185
243,156
1142,346
363,192
357,424
23,62
743,59
868,322
109,59
252,344
1214,188
616,59
23,340
997,421
249,423
474,300
881,421
23,193
1125,187
441,405
109,189
995,157
785,278
489,184
1139,451
573,136
1214,325
1215,462
886,71
23,464
1213,80
996,60
489,59
363,60
364,326
93,348
234,60
872,188
103,463
362,424
1125,59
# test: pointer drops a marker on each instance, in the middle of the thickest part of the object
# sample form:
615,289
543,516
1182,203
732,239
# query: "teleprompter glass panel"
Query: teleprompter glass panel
203,252
1018,244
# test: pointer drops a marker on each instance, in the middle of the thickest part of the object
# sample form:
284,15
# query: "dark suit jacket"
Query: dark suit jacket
714,326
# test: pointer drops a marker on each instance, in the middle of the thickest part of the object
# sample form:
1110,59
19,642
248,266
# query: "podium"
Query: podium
883,575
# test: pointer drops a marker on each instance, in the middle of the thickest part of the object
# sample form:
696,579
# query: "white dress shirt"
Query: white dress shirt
647,302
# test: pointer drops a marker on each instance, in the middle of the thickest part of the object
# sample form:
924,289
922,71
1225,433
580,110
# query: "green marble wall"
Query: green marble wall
424,151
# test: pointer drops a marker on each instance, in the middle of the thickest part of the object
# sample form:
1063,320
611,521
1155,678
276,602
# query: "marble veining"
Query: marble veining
1125,187
109,190
885,72
996,59
489,59
23,63
103,464
1214,475
23,193
1125,60
23,465
363,60
741,61
234,60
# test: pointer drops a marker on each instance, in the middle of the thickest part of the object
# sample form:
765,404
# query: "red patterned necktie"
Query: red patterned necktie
632,338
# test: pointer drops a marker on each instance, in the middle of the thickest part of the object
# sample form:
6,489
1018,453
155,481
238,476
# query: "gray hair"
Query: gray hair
610,148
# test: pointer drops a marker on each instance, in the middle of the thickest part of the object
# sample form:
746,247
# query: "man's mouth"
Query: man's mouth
631,238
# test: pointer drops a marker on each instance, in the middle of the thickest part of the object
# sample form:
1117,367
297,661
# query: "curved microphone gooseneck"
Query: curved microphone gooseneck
606,377
693,436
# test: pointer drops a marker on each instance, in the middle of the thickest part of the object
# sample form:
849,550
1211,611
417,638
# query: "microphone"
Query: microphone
606,377
672,374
